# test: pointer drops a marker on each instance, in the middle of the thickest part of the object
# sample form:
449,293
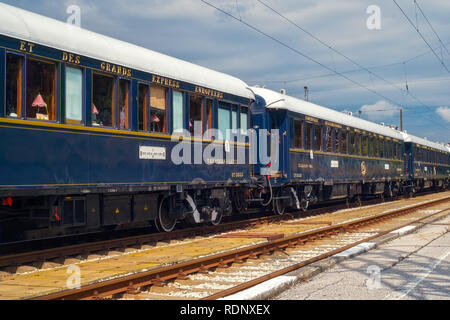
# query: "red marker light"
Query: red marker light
7,202
56,214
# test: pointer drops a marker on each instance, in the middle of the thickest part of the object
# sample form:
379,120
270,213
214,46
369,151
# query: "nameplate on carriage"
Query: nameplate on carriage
307,118
209,92
331,124
165,82
114,69
152,153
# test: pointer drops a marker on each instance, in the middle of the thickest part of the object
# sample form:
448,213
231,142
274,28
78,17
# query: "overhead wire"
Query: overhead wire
312,59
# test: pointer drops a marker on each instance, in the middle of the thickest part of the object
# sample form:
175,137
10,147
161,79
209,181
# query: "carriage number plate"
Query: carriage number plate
152,153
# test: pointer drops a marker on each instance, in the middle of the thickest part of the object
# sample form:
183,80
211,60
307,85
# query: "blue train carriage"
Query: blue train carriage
427,166
86,123
327,155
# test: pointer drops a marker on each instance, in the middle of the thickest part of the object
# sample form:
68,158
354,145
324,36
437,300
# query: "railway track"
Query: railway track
281,245
24,253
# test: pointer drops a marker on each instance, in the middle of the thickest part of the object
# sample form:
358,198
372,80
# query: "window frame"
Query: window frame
56,83
114,98
83,96
183,109
22,105
151,109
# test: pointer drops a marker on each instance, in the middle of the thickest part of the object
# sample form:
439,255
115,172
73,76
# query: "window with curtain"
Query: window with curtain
195,112
74,96
158,109
103,100
317,137
244,122
365,146
142,107
337,142
234,121
353,143
344,141
41,90
329,139
178,114
381,148
14,80
224,123
208,118
124,101
298,134
309,128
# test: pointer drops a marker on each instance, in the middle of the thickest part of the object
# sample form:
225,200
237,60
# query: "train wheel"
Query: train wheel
217,220
164,221
304,205
279,204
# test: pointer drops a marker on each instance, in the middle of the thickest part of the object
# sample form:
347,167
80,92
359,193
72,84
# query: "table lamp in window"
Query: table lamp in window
40,103
94,115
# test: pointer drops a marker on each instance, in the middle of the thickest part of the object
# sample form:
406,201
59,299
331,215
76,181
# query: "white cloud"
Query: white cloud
444,112
380,110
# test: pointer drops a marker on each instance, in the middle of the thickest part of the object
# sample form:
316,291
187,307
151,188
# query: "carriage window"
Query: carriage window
389,149
103,100
158,110
41,90
234,121
344,142
309,128
142,107
337,142
195,112
74,96
224,123
358,144
353,143
124,93
329,139
178,114
365,146
381,148
244,122
298,134
208,120
372,146
318,137
14,80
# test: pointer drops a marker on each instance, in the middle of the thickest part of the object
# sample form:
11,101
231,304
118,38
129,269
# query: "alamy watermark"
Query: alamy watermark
74,13
374,19
227,148
74,280
374,281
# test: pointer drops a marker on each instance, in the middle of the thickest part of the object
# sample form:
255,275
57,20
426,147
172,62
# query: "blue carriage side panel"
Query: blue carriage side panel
2,82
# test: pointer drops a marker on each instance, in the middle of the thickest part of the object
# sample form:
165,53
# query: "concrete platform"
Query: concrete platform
410,263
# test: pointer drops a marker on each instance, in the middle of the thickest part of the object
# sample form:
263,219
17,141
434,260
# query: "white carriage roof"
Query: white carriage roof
410,138
276,100
25,25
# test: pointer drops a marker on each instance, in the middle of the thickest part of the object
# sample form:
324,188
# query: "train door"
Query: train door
279,132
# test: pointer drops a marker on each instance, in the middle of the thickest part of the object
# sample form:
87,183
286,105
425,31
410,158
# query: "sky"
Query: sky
361,56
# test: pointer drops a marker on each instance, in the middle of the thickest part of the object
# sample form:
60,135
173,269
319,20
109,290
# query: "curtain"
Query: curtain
224,123
74,94
177,111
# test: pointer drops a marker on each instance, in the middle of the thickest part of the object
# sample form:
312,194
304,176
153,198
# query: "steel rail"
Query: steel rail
160,276
85,248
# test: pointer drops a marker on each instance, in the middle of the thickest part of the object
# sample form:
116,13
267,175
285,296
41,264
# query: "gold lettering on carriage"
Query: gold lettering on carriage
166,82
114,69
209,92
70,58
26,46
